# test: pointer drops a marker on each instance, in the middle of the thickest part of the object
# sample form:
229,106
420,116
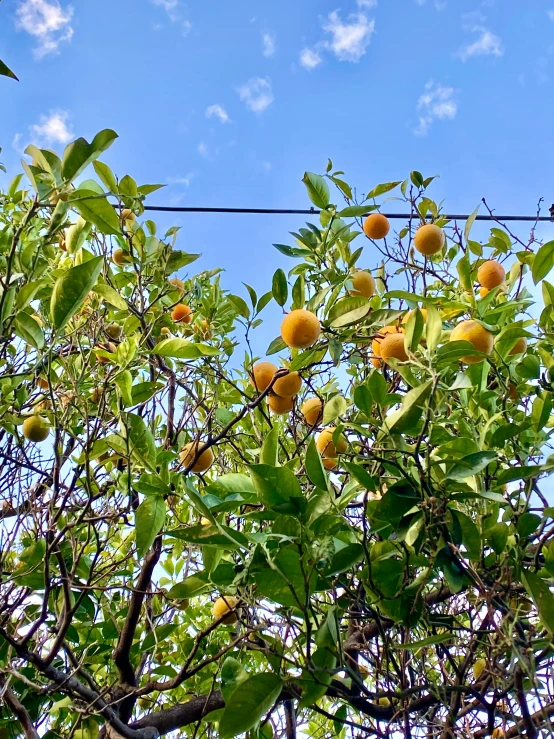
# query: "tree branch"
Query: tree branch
18,710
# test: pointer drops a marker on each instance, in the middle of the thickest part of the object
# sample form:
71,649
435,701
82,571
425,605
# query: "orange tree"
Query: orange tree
348,537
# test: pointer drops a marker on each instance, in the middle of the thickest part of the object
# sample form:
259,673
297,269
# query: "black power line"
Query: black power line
314,211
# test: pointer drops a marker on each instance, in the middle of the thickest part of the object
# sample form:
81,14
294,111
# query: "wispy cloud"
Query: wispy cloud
366,3
179,180
203,150
256,94
219,112
348,39
437,103
550,14
269,44
47,21
51,129
486,44
173,10
438,4
310,58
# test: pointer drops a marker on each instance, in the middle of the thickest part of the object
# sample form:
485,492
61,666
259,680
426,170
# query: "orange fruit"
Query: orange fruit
36,428
520,346
381,335
182,313
177,283
262,374
288,386
300,329
312,410
204,461
376,226
325,445
120,257
498,733
429,239
363,284
113,330
224,604
477,335
483,291
204,329
392,346
61,242
280,406
128,215
491,274
42,383
329,464
165,331
376,362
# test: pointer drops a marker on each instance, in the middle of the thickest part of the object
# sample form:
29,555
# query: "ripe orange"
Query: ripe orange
327,447
429,239
376,362
520,346
288,386
376,226
182,313
300,329
312,410
477,335
392,346
222,605
491,274
381,335
483,291
363,284
120,257
280,406
204,461
36,428
262,374
329,464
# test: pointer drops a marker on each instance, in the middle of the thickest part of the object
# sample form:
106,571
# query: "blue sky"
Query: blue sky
229,102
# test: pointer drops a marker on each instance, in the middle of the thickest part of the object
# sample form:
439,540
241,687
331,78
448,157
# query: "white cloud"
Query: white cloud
439,4
309,58
257,94
269,44
203,150
47,21
51,130
436,103
173,11
550,14
186,180
487,44
366,3
219,112
349,39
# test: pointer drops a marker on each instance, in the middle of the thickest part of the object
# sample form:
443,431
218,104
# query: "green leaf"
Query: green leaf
232,675
527,524
124,382
348,310
414,330
354,211
189,587
333,409
240,305
413,399
183,349
5,71
469,225
277,345
28,329
518,473
382,189
470,465
270,448
159,634
279,287
96,210
360,474
433,328
179,259
79,153
314,467
141,440
249,703
539,591
71,289
318,191
464,271
314,683
543,262
470,534
363,399
427,642
345,558
111,296
149,519
106,176
276,486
